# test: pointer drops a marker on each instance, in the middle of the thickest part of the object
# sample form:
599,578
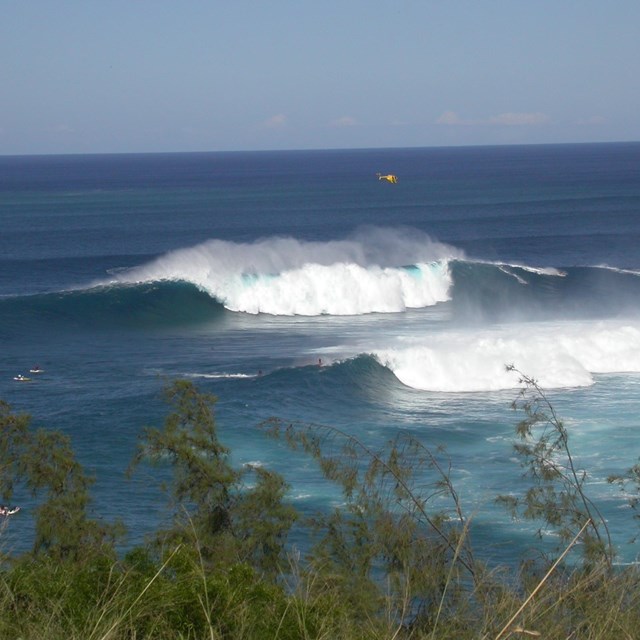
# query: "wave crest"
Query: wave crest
376,270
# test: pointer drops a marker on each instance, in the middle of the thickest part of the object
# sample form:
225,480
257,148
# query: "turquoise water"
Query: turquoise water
241,271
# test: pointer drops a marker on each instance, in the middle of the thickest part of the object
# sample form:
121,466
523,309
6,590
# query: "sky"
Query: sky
98,76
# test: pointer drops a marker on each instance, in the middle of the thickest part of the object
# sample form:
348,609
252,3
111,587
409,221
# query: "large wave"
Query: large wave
375,270
385,271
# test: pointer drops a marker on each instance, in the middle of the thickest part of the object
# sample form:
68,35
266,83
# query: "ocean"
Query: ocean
298,285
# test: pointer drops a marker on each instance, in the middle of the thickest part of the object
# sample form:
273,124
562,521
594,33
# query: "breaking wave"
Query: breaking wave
385,271
557,355
377,270
561,325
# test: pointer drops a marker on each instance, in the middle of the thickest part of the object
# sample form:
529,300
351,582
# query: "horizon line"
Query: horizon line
317,149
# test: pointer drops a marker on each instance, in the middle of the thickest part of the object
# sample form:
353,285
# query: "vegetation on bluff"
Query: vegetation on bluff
397,560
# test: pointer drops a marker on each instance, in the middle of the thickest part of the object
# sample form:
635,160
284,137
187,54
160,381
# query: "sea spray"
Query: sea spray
375,271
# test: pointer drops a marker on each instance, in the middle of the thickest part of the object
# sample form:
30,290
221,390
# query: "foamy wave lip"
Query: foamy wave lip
543,271
341,289
217,376
556,356
377,270
631,272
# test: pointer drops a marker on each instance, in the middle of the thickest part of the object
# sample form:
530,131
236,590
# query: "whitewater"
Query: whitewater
365,274
287,276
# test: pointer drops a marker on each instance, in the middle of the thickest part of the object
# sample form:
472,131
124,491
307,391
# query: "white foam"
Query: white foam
217,376
340,289
378,270
556,355
631,272
545,271
513,275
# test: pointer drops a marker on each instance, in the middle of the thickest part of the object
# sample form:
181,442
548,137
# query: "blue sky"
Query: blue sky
194,75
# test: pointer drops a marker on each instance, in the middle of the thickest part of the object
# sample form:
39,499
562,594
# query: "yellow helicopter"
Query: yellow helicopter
389,178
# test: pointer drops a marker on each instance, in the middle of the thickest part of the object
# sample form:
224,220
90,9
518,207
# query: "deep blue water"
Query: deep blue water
241,270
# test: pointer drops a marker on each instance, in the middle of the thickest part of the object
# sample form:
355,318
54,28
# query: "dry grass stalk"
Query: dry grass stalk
542,582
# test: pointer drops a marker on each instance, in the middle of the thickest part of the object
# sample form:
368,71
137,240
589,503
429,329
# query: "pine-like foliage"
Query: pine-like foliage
400,543
43,461
214,509
557,495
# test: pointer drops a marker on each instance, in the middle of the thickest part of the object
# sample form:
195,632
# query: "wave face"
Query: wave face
376,270
145,306
503,292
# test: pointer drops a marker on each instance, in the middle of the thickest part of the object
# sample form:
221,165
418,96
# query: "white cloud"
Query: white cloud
63,128
451,118
344,121
519,119
593,120
276,122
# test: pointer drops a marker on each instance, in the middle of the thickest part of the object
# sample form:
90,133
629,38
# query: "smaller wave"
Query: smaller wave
556,355
220,376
